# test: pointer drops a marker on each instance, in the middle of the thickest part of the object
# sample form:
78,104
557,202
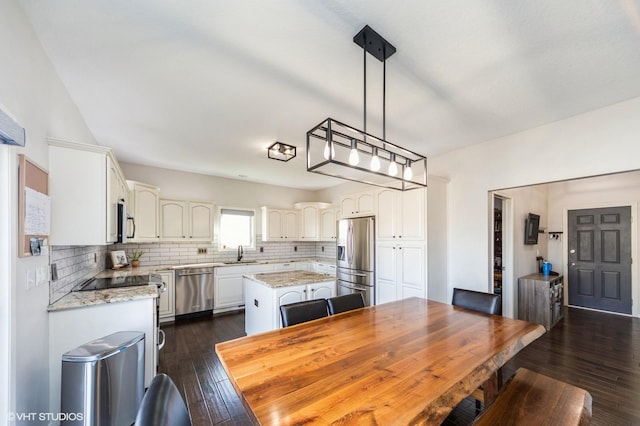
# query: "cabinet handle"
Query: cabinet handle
399,236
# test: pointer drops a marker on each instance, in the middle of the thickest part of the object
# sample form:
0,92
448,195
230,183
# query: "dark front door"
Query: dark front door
600,259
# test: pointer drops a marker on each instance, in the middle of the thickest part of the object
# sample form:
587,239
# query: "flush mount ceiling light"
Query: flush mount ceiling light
281,151
342,151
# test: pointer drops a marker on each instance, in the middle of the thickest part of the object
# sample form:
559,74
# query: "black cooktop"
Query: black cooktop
115,282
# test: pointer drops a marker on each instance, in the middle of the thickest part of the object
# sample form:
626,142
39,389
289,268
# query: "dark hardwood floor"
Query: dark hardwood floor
598,352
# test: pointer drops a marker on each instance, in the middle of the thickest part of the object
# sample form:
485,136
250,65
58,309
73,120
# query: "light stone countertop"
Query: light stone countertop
145,270
289,278
80,299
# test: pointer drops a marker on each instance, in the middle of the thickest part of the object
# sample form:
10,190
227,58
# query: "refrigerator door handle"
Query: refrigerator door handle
350,243
353,286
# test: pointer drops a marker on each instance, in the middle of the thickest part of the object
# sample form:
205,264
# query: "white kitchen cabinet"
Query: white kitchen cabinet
186,220
401,215
173,220
324,268
262,303
70,328
401,271
310,220
168,298
328,218
359,204
286,266
299,293
200,216
146,211
280,224
228,284
85,186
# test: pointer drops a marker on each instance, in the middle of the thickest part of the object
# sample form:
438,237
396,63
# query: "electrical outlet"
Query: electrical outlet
322,248
261,249
54,272
295,248
202,250
95,257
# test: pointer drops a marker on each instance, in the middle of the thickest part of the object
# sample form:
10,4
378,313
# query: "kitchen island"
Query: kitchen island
265,293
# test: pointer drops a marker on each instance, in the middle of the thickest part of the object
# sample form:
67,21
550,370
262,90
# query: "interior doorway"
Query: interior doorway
501,249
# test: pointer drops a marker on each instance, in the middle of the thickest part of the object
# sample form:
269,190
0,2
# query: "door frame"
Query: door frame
7,278
508,292
635,287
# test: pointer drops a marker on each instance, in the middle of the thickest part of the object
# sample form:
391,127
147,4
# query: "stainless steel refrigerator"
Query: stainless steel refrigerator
356,258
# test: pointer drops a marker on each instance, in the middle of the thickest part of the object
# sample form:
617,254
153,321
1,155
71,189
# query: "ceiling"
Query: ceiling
206,86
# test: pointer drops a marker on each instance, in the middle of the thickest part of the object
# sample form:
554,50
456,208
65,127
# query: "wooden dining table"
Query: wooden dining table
405,362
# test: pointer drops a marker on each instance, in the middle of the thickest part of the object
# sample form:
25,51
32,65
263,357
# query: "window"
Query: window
236,229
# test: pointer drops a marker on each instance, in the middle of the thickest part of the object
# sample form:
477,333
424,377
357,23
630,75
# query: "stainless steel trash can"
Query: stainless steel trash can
103,380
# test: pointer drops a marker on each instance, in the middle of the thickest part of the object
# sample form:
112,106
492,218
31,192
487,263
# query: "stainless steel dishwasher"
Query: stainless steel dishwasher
194,290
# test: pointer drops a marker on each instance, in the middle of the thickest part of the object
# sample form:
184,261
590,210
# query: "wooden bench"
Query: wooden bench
534,399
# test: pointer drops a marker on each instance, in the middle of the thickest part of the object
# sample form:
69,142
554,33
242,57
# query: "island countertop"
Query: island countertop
289,278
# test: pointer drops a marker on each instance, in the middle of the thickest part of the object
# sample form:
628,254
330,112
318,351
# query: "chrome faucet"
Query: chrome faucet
240,253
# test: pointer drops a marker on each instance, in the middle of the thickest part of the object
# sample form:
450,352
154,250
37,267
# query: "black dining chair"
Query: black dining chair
298,312
162,405
347,302
482,302
477,301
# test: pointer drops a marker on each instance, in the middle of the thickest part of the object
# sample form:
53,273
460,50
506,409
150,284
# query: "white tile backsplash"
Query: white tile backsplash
76,263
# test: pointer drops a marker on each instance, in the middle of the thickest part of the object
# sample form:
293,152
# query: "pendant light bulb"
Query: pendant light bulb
393,167
329,151
408,173
354,159
375,161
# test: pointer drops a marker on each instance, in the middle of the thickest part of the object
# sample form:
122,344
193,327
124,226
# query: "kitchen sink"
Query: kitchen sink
235,262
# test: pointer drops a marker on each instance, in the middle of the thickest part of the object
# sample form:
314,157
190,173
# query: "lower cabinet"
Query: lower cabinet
401,271
324,268
228,287
168,298
262,303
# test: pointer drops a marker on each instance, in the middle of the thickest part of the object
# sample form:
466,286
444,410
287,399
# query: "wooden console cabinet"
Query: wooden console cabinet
540,299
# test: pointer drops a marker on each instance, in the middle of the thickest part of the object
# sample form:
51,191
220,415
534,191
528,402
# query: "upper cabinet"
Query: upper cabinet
401,215
86,184
310,229
280,224
328,218
359,204
186,220
146,211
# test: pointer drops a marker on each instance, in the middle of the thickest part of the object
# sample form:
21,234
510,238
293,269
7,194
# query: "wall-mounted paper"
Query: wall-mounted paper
37,215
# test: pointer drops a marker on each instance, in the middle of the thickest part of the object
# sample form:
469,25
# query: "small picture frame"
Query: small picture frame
118,259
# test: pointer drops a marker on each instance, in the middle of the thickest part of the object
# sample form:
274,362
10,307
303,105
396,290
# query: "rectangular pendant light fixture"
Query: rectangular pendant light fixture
281,151
338,150
342,151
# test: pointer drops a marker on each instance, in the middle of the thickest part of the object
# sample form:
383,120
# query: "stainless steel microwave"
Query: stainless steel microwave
123,221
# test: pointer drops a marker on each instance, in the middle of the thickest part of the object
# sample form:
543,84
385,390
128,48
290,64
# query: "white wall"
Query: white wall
31,92
599,142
